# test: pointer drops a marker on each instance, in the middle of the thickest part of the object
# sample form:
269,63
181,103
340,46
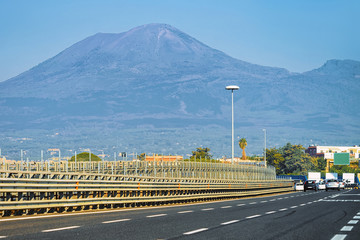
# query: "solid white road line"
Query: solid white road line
195,231
60,229
226,207
353,222
189,211
347,228
230,222
271,212
118,220
157,215
253,216
207,209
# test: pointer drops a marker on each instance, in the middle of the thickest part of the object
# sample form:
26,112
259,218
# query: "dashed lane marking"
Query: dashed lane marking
226,207
346,228
283,209
3,236
271,212
230,222
293,206
253,203
118,220
157,215
207,209
195,231
253,216
189,211
264,201
242,204
60,229
353,222
356,217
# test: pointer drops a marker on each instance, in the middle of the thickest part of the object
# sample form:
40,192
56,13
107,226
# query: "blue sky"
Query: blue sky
298,35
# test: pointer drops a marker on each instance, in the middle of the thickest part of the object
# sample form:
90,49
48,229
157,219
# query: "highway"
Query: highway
332,215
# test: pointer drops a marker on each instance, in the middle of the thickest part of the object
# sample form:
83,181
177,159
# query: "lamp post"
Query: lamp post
265,146
232,88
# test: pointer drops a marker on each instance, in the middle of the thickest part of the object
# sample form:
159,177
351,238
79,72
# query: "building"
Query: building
163,158
327,152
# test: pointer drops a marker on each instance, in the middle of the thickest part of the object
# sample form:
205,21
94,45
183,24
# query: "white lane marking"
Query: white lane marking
253,216
353,222
271,212
283,209
242,204
230,222
60,229
195,231
207,209
356,217
294,207
279,198
303,204
157,215
118,220
264,201
347,228
189,211
358,213
253,203
3,236
309,203
226,207
272,200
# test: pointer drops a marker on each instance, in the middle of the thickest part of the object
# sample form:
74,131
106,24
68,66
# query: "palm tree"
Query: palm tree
243,144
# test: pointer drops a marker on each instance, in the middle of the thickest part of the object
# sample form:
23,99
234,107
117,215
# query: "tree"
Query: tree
243,144
201,153
292,159
84,157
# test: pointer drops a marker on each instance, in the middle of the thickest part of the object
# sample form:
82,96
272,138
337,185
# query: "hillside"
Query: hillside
155,77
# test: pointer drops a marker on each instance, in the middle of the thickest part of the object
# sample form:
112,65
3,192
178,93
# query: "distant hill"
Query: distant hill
155,78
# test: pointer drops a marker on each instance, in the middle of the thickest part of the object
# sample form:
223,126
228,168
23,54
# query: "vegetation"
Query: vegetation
201,153
292,159
243,144
340,169
84,157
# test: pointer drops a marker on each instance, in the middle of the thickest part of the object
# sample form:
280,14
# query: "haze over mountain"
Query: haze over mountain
155,88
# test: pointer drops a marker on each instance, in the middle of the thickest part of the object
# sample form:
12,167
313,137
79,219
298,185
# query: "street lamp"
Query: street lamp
232,88
265,146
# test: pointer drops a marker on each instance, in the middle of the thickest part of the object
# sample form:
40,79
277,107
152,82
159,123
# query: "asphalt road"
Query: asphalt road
301,215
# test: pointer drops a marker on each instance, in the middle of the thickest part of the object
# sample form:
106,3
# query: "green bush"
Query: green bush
84,157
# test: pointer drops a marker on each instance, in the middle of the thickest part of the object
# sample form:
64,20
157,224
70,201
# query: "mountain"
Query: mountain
157,81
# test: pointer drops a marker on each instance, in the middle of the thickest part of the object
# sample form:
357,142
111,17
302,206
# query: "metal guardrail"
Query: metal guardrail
35,190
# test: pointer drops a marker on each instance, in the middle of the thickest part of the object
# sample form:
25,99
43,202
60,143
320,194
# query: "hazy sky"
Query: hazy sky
298,35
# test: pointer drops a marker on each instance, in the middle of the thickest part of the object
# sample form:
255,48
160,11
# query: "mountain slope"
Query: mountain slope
155,76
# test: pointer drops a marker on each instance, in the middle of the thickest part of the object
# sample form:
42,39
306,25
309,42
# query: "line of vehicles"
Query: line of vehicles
331,182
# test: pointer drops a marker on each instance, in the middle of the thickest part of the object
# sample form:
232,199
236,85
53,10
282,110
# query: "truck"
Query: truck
331,176
315,176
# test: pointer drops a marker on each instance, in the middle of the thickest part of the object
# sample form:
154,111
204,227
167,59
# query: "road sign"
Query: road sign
341,159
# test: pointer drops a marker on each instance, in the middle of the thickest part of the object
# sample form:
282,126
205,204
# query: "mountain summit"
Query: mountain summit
155,77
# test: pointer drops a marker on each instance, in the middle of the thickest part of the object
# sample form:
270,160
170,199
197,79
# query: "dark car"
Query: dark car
310,185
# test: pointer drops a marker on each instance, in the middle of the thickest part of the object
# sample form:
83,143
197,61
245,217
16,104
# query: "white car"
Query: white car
342,184
321,185
299,187
332,184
